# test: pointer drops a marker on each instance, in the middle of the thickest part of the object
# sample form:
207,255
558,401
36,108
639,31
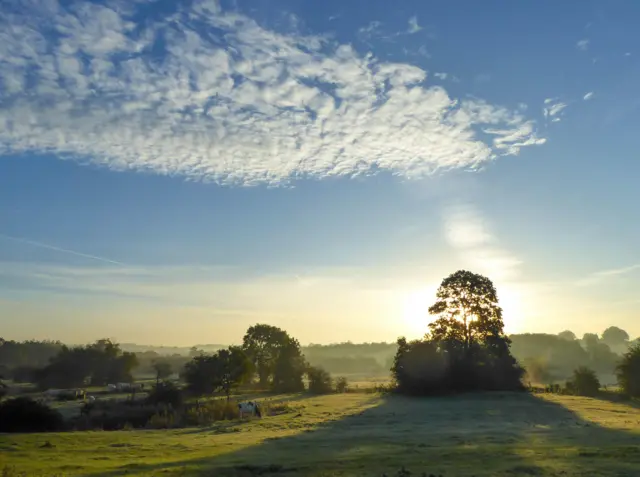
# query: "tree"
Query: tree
584,382
289,368
614,336
200,374
466,347
234,368
163,370
222,371
263,343
567,335
590,340
628,371
467,313
420,367
320,381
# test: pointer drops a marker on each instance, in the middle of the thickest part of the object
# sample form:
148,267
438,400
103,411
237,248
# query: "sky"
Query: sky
173,172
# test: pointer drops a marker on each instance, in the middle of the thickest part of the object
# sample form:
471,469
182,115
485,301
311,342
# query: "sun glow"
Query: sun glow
415,313
416,303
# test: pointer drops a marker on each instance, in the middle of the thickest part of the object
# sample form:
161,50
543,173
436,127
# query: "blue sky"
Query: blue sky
173,172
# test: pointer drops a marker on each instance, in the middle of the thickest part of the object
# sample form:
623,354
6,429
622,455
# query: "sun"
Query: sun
415,311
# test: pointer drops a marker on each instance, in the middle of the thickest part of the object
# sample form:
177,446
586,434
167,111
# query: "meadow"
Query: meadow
490,434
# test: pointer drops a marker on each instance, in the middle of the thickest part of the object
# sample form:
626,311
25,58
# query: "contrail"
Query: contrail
58,249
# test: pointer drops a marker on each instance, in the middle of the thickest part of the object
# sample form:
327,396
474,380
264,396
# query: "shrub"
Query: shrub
26,415
115,415
628,372
320,381
584,382
165,393
208,412
342,385
163,420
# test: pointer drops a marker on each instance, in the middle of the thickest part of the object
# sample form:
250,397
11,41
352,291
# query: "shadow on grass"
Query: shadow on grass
489,434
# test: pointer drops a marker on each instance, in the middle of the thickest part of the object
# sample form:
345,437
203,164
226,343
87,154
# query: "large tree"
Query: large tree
221,371
467,313
289,368
628,371
567,335
614,336
466,347
263,344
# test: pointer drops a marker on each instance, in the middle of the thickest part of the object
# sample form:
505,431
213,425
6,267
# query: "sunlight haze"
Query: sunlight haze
172,173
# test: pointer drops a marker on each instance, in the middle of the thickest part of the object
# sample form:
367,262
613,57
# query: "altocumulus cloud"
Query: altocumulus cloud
213,95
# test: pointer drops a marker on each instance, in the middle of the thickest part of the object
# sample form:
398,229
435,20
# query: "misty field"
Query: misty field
362,434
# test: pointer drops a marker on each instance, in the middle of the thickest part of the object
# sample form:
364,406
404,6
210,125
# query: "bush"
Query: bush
584,382
165,393
111,415
628,372
208,412
320,381
163,420
342,385
26,415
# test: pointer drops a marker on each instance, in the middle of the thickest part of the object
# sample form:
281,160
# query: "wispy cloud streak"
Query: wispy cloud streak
33,243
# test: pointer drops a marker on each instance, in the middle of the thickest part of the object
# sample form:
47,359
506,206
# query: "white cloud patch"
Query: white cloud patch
553,109
583,44
588,96
213,95
469,233
441,76
413,25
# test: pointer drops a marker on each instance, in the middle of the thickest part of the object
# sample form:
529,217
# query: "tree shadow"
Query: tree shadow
488,434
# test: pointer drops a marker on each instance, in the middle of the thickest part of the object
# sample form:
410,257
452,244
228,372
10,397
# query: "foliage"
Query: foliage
263,344
234,368
584,382
163,370
419,367
466,347
614,336
320,381
342,384
289,368
112,415
628,372
222,371
98,364
33,354
208,412
567,335
22,414
165,392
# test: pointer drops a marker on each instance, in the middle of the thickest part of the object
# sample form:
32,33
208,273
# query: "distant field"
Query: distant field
363,434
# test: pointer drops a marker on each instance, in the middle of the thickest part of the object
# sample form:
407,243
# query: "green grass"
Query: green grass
363,434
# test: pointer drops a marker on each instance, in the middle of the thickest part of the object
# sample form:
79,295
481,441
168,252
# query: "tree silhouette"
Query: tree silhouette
628,371
466,347
614,336
567,335
468,313
163,370
263,344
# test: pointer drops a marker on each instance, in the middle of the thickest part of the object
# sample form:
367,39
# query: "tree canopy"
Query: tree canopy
466,347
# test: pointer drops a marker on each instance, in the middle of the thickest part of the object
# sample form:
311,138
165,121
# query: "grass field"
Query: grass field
363,434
